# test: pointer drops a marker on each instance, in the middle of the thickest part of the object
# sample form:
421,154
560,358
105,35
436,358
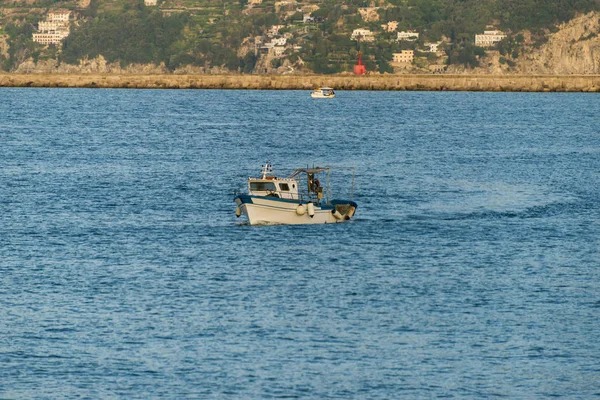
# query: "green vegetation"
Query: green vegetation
223,33
537,14
21,46
136,35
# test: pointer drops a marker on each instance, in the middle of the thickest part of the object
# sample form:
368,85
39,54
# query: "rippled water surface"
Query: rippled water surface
471,269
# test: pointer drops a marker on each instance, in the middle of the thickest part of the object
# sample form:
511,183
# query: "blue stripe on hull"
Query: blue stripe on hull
247,199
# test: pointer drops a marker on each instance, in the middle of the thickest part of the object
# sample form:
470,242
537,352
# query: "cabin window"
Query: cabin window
262,186
284,187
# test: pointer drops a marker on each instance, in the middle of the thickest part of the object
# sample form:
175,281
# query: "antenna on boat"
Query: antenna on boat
352,190
266,169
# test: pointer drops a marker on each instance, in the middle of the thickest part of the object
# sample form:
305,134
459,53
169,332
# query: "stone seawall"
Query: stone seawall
494,83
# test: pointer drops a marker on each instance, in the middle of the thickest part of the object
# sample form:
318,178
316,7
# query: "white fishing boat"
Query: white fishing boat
323,93
297,199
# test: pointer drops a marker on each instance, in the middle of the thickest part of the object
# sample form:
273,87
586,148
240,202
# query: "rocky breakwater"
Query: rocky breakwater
497,83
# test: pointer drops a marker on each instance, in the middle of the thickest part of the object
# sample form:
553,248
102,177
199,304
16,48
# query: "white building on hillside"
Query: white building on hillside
54,29
59,16
307,19
274,30
279,41
51,37
278,51
362,34
44,26
489,38
150,2
408,36
432,47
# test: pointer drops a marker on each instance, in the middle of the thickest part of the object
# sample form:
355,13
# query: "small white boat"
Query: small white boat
297,199
323,93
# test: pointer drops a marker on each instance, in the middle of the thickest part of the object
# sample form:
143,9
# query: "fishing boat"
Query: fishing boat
296,199
323,93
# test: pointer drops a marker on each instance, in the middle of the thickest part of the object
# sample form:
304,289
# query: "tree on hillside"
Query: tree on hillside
466,54
135,36
21,45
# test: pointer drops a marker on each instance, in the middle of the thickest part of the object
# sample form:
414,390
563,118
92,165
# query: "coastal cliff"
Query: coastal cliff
573,49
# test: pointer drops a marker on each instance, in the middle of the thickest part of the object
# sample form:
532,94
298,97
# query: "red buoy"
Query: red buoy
360,68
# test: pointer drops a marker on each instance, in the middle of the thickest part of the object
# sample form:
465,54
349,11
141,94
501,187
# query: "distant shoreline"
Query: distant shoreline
490,83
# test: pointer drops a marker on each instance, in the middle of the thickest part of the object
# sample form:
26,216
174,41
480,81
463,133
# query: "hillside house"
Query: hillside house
307,19
409,36
362,34
46,26
489,38
274,30
278,51
432,47
59,16
53,37
404,57
54,29
390,26
437,68
279,41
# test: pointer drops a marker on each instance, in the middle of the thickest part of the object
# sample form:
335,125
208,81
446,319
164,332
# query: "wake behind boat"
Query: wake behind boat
296,199
323,93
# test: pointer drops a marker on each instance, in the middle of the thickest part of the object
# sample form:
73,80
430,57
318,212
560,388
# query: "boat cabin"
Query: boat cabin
272,186
302,184
322,93
283,188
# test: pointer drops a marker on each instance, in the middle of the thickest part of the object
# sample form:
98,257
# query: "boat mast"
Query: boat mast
352,190
328,184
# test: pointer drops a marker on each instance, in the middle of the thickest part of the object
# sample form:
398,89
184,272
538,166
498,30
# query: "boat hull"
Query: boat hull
321,96
266,211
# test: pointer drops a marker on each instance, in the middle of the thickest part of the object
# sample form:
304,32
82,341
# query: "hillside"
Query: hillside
289,36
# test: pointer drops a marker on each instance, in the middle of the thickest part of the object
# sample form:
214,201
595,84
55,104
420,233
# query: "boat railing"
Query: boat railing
306,197
300,197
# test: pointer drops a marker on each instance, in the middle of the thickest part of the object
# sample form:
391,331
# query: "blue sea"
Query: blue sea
470,271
